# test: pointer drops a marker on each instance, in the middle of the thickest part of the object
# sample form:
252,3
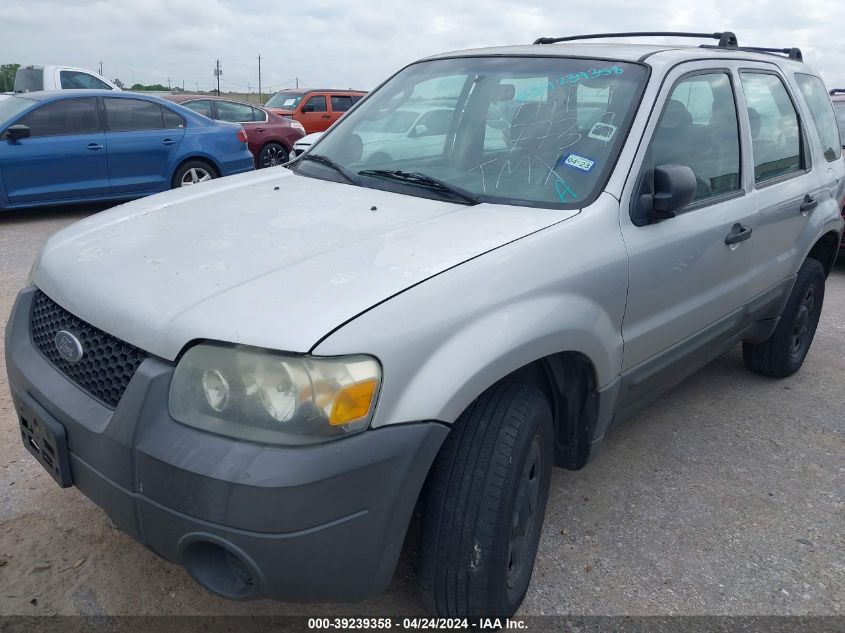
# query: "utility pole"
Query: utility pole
297,83
168,84
101,68
260,100
217,73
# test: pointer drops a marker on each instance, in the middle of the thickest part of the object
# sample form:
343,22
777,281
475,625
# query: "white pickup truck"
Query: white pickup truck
35,78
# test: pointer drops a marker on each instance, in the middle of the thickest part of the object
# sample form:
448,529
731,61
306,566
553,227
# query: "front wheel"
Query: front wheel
272,155
192,173
485,503
783,353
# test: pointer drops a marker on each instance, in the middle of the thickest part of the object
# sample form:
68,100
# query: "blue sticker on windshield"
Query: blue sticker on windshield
577,162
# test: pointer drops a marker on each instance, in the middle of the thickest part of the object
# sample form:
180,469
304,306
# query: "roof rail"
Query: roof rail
836,91
726,38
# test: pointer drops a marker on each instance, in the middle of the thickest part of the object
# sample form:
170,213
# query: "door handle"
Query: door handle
168,141
93,146
739,233
808,204
260,129
327,116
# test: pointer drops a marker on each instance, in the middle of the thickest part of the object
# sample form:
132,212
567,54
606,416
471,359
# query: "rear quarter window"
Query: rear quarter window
821,111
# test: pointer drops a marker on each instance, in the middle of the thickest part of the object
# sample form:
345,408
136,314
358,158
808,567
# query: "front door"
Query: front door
688,275
142,145
63,159
314,114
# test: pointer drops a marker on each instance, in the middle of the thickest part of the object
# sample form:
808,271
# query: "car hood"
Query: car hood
269,258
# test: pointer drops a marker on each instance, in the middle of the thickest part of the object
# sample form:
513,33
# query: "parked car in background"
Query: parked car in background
837,95
93,145
315,109
271,137
305,143
38,78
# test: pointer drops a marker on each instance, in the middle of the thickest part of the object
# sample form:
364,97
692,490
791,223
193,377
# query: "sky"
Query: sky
359,43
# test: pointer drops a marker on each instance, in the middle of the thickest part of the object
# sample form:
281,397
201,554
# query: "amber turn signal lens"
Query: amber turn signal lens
353,402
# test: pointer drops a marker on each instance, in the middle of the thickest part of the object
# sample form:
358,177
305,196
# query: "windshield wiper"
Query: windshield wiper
348,174
423,180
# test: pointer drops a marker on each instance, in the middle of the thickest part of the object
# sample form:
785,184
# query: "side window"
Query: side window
821,110
316,103
356,98
124,115
234,112
69,116
74,80
172,120
775,128
258,114
202,106
341,103
699,128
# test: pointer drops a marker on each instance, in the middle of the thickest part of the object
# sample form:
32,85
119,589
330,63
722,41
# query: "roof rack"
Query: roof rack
837,91
791,53
726,38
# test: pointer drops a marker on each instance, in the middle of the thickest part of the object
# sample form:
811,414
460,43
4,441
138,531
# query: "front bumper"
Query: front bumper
318,523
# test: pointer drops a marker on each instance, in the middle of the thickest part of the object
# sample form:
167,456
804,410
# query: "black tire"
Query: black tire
272,155
783,353
488,485
199,166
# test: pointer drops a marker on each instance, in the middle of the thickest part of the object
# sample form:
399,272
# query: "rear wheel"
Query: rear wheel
485,504
193,172
783,353
272,155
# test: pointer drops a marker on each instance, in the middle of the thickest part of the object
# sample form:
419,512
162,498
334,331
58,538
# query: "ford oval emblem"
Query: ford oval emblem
68,346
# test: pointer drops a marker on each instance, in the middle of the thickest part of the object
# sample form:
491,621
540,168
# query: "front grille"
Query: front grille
107,363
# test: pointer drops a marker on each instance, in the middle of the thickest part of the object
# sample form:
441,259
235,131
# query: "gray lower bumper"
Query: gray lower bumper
317,523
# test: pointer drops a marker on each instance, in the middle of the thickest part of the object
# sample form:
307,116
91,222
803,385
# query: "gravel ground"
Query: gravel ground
725,497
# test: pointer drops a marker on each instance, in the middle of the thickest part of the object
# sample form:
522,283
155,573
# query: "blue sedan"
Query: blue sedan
96,145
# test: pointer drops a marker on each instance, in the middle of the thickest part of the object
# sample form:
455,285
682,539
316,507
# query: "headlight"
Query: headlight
270,397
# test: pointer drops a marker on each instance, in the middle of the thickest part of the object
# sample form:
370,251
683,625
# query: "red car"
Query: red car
316,110
270,136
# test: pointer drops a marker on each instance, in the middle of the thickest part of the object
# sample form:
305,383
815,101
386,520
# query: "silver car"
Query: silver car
262,377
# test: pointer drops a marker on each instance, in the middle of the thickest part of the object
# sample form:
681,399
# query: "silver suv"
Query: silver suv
487,261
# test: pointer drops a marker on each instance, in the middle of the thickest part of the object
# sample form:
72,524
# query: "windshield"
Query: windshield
11,107
286,100
29,80
839,108
532,131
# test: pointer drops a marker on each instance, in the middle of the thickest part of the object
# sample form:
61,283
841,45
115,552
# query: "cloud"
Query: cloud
342,43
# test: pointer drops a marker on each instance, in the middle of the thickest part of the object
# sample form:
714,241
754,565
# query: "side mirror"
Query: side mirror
17,132
419,130
307,108
674,188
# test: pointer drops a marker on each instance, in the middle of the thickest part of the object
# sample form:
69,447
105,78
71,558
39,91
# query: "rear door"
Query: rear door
339,105
64,158
687,285
314,113
786,188
143,141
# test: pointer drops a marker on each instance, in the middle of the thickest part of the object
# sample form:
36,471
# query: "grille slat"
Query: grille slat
107,364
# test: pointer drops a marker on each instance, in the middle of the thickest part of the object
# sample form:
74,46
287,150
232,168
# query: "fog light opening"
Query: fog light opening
218,569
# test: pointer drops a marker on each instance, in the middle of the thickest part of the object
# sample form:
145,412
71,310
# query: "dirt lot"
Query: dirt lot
724,497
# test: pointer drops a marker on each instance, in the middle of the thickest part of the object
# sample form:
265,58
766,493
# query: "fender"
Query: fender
550,292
